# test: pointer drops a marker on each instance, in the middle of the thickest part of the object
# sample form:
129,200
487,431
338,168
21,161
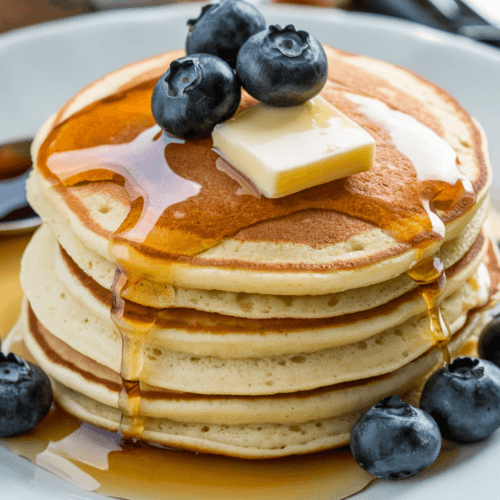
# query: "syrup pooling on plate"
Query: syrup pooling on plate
93,459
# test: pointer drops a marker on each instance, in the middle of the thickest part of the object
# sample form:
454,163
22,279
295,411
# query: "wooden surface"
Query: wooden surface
19,13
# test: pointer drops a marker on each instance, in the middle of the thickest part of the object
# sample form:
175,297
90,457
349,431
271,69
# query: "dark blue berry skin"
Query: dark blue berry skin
394,440
464,399
222,28
489,342
25,395
196,93
282,67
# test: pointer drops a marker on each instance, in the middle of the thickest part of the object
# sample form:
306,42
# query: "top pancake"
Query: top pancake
364,229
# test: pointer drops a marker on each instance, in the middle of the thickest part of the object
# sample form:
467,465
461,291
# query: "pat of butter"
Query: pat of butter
285,150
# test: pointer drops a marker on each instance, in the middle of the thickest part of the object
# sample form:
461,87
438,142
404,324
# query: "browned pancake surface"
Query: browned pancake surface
384,197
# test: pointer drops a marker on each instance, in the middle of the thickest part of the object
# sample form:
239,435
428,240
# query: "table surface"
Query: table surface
18,13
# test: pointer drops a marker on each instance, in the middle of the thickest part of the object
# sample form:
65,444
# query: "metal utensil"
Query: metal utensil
456,16
16,216
15,158
13,198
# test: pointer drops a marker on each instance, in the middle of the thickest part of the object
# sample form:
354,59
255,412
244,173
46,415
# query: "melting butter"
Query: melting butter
432,157
285,150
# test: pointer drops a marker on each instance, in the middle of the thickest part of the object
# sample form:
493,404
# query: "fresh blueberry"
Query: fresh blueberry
395,440
196,93
464,399
282,67
489,342
25,395
222,28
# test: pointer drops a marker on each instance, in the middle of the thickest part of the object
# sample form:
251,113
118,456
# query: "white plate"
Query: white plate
42,66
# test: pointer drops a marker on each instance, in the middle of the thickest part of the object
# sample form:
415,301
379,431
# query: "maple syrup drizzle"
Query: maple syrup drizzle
216,211
429,273
142,165
430,276
144,158
133,338
433,160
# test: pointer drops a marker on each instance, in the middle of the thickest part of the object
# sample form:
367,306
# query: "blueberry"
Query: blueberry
196,93
464,399
25,395
282,67
222,28
395,440
489,342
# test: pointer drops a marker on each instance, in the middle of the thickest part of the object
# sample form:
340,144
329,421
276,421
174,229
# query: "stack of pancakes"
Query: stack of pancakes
268,326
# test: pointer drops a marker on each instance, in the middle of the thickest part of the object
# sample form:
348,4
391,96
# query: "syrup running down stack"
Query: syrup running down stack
431,278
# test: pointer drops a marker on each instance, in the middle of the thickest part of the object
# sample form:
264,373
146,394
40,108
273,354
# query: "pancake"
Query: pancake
186,349
166,305
373,229
237,426
161,295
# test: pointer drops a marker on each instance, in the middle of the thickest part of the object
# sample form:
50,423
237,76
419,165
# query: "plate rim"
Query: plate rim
401,26
359,20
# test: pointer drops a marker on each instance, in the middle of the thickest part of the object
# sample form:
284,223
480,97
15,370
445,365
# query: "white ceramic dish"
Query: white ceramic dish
42,66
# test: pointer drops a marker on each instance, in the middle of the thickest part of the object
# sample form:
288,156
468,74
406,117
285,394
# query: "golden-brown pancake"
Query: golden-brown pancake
247,427
249,326
364,229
